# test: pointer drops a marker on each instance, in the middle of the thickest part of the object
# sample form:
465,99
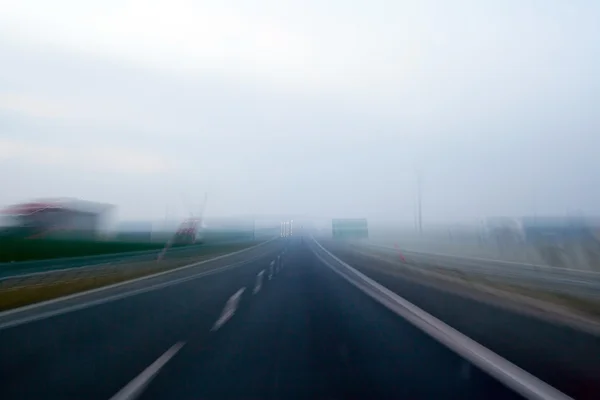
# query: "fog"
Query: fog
304,108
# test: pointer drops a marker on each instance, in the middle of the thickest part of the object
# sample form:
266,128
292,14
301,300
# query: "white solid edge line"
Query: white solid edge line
108,299
506,372
135,388
103,288
87,304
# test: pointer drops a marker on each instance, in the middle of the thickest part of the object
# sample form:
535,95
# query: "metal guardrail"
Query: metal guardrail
32,269
8,270
555,279
127,266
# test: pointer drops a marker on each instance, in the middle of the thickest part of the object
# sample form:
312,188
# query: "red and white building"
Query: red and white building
47,216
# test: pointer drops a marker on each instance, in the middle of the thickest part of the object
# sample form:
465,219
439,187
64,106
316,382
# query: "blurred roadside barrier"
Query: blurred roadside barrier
34,272
16,291
554,279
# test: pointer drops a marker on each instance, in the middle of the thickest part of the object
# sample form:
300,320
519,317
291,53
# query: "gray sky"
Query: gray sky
322,108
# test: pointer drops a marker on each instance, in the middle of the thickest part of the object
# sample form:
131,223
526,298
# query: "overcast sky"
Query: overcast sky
324,108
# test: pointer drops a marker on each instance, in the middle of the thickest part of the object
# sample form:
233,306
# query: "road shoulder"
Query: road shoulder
538,304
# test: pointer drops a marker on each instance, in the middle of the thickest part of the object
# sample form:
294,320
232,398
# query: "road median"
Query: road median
46,287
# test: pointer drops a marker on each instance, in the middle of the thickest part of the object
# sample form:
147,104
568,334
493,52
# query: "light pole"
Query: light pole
419,201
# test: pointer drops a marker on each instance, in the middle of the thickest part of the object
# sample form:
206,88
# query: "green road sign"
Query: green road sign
345,228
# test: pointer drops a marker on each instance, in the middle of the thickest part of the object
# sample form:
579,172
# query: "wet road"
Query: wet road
274,322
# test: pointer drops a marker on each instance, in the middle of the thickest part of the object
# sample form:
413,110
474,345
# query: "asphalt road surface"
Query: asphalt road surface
564,357
257,329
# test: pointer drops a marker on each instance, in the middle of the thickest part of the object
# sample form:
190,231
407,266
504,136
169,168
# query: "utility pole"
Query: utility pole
419,201
415,219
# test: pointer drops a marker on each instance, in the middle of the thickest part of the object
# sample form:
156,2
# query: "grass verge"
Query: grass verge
587,306
24,295
560,304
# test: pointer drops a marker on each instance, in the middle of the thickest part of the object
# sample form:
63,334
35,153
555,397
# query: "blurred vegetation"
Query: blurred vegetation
17,247
22,249
28,294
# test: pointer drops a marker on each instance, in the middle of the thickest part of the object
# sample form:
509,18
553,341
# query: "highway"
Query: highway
560,355
247,327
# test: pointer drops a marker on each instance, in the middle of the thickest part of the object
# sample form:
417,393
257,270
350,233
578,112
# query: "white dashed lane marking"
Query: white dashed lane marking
259,279
229,309
135,388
